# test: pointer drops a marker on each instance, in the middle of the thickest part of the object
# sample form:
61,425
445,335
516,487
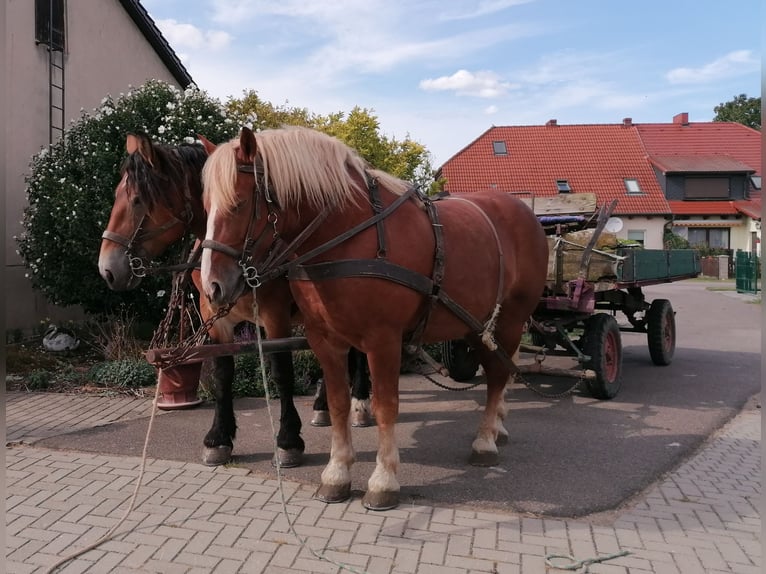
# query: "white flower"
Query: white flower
161,130
189,140
62,180
161,293
170,106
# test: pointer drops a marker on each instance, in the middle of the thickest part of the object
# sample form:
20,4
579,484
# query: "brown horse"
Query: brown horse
372,264
157,201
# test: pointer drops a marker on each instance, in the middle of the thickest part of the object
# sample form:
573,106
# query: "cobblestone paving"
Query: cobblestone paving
192,519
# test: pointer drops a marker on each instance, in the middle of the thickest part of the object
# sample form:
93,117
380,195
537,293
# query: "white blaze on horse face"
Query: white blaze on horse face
207,254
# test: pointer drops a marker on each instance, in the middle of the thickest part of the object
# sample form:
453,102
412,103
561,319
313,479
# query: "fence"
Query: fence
748,272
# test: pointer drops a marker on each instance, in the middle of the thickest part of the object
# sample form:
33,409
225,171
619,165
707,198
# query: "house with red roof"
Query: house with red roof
700,180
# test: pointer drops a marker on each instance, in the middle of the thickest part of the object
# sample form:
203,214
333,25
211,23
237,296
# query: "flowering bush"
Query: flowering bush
70,192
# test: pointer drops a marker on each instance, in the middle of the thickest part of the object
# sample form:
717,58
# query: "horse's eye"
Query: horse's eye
135,201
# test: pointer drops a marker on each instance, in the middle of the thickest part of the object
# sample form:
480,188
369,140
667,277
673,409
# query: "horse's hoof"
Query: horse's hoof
483,458
385,500
361,419
321,419
501,440
288,458
333,493
216,456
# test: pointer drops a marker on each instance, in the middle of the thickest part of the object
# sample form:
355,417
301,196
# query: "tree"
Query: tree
70,192
742,110
359,129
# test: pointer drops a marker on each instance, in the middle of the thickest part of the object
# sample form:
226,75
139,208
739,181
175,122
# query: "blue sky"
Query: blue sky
443,72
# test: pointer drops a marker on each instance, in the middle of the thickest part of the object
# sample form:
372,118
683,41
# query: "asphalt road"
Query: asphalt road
566,457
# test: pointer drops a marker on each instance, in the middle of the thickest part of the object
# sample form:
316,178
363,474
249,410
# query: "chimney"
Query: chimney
627,122
681,119
551,123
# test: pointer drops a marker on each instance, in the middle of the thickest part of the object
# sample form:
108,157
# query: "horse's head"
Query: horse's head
157,200
239,213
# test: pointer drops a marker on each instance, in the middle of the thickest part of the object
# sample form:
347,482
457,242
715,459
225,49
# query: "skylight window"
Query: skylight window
563,186
631,185
499,148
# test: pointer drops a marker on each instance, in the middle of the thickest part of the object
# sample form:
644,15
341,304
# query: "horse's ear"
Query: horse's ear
209,146
143,145
131,143
247,143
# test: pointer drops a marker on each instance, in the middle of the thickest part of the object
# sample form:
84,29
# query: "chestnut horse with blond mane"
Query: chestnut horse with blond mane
372,264
157,202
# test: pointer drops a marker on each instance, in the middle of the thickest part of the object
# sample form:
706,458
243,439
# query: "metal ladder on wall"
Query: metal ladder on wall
56,89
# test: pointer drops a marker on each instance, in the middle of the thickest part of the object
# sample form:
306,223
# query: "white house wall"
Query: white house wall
106,53
653,228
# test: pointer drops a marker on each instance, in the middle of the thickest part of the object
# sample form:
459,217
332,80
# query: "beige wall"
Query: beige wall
106,52
653,228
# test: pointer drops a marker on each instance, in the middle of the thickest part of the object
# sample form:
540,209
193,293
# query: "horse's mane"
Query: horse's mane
171,166
299,164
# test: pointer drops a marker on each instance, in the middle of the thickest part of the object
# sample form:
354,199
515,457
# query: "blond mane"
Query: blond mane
299,165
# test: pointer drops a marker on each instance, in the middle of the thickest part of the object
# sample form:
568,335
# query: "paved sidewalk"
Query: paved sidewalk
702,518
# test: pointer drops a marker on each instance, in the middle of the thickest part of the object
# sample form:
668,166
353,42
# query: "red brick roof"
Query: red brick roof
700,164
702,207
739,142
598,158
592,158
750,208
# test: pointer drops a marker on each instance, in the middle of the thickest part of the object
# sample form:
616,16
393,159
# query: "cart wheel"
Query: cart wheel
460,360
603,344
661,331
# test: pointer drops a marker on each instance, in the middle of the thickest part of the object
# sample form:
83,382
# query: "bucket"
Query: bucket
178,386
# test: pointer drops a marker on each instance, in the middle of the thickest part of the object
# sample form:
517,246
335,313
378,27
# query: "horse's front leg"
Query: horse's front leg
383,486
219,441
336,477
290,445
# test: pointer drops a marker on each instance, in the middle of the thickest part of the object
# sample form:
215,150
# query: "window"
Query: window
755,180
563,186
631,185
499,148
49,23
713,237
706,188
636,235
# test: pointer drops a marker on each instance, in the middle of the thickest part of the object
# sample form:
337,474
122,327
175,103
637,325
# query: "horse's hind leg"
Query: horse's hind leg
219,441
361,415
491,431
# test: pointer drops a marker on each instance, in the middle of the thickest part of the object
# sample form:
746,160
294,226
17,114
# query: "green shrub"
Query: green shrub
123,373
70,191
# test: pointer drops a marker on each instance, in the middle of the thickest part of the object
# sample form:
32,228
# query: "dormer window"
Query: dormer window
499,148
562,185
632,187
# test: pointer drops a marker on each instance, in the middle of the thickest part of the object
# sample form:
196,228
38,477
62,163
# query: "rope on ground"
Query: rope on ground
302,541
573,564
112,531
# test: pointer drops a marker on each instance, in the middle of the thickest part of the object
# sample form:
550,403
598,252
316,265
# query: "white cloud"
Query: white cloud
482,8
482,84
490,110
732,64
181,35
